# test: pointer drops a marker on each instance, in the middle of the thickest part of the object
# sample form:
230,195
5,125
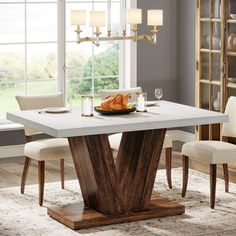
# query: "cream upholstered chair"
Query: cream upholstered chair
115,139
46,149
214,152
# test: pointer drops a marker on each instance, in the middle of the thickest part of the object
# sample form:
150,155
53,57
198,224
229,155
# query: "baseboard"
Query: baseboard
11,151
182,136
18,150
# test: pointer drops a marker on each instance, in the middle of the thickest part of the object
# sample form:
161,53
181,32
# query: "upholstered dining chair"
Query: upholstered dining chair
115,139
213,152
44,149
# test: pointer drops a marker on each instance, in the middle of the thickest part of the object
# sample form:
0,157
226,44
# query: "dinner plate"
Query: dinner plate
148,103
233,16
114,112
233,80
56,110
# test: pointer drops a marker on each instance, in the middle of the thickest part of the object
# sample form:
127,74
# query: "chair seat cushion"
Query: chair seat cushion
115,139
214,152
48,149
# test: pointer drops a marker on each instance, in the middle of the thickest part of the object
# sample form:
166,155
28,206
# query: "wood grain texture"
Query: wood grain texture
76,216
97,173
25,173
226,177
185,161
168,158
11,170
213,168
137,163
115,193
41,178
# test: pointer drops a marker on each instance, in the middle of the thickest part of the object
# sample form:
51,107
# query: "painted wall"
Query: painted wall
157,64
186,54
171,64
186,51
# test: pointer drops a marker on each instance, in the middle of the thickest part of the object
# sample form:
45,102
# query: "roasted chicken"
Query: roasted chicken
117,102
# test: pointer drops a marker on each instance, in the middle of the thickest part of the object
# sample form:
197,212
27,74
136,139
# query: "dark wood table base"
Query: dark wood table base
76,216
116,191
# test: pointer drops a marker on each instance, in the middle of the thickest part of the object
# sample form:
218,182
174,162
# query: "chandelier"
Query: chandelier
133,17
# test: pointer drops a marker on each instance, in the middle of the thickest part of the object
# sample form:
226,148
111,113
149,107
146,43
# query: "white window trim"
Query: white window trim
128,54
61,46
128,59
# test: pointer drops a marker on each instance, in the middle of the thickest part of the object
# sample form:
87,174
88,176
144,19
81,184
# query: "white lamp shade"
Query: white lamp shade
78,17
155,17
134,16
97,18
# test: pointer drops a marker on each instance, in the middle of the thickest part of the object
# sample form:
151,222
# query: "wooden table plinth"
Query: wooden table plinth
76,216
115,192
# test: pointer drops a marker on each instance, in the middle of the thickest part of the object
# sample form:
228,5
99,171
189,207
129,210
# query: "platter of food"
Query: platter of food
115,105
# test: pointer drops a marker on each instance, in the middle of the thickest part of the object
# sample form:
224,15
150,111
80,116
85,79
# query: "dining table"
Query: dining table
121,189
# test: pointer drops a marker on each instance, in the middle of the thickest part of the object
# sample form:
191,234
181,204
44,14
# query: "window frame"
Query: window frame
127,59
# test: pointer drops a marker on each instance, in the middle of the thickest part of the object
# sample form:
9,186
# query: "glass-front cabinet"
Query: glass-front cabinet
215,59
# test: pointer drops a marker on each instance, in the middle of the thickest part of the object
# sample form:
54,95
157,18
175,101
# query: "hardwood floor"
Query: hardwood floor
11,170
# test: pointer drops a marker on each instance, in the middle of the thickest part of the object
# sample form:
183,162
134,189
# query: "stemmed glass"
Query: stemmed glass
69,100
158,95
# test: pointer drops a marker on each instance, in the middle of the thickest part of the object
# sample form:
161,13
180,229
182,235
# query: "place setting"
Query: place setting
119,104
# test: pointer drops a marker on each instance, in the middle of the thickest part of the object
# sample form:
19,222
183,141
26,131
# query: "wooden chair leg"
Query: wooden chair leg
41,176
168,166
212,185
62,164
25,173
185,160
226,177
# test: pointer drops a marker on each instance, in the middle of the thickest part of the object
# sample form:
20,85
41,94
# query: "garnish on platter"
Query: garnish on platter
117,104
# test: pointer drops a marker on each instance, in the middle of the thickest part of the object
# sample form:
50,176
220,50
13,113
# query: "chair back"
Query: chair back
229,129
39,102
132,91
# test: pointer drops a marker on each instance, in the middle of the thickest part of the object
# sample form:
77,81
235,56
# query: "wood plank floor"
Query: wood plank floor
11,170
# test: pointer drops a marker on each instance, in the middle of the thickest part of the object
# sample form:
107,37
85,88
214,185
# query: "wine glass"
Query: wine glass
158,95
69,100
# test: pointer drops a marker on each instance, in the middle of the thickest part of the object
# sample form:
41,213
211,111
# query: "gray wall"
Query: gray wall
157,64
186,51
171,64
186,54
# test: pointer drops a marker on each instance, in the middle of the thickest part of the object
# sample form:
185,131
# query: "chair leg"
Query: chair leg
212,185
168,166
41,176
185,160
62,164
226,177
25,173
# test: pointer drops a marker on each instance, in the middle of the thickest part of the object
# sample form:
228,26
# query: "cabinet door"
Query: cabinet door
210,20
230,45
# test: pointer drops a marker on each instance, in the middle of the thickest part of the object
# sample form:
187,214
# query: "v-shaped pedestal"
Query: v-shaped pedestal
120,191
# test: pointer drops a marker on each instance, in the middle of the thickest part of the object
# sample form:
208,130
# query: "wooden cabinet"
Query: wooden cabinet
215,59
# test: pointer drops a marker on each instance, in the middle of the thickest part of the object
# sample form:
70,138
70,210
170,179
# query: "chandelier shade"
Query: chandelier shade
131,16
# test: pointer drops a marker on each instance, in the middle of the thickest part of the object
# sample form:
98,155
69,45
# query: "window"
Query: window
90,68
28,50
39,53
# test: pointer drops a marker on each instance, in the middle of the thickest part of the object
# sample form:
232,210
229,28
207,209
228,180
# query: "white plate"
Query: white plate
232,80
233,16
56,110
149,103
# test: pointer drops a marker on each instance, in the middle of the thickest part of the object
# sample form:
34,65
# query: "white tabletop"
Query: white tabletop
168,115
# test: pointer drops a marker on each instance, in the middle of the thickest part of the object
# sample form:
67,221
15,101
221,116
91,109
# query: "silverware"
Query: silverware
41,111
